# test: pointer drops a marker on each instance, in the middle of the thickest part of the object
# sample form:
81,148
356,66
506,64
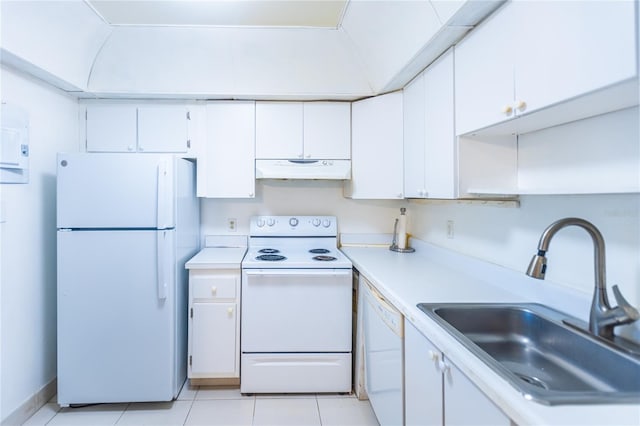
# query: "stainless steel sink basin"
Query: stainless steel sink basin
546,360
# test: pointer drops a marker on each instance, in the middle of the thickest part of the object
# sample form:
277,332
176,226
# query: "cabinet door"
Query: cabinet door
214,340
376,151
570,48
111,128
162,128
327,130
226,166
460,392
484,73
422,380
413,110
440,148
279,130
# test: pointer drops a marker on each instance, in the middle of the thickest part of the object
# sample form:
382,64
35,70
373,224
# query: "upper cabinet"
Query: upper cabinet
376,165
111,128
429,139
303,130
226,162
125,127
327,130
530,56
279,130
163,128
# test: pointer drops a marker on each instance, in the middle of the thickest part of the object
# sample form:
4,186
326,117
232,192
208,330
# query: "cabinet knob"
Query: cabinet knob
214,289
130,148
308,155
229,311
507,110
300,156
521,106
434,356
251,194
400,195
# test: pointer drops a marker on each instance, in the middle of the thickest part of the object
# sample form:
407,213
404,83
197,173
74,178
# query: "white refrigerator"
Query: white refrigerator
127,223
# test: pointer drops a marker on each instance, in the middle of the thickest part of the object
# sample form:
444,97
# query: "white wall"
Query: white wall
509,236
291,197
28,238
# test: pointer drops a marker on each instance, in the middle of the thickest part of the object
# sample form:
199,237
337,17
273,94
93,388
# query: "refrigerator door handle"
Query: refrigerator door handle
162,196
161,262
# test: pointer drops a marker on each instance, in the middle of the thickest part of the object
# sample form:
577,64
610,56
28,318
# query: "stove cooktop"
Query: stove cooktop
288,242
295,257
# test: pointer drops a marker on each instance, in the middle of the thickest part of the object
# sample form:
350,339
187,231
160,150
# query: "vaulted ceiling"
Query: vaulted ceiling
245,13
222,49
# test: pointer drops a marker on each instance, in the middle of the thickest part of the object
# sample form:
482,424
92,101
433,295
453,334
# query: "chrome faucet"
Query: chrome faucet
602,317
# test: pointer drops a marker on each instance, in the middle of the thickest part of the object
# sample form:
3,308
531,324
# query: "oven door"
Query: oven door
296,310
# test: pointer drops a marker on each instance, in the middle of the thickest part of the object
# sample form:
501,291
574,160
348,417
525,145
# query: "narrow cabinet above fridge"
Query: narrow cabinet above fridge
137,127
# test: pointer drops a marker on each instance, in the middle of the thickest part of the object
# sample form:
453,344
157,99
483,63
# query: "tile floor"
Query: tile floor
213,406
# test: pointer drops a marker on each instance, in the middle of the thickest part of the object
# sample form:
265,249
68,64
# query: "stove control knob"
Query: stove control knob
316,222
326,223
260,223
271,221
293,221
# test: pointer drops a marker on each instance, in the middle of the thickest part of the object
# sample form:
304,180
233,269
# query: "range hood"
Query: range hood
303,169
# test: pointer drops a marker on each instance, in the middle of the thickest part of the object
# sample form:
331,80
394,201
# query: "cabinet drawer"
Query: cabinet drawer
214,287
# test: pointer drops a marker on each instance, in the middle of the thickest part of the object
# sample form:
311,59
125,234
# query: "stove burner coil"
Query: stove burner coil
269,251
324,258
271,257
319,251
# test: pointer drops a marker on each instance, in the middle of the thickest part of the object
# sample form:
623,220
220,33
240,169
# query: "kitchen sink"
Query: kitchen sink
548,361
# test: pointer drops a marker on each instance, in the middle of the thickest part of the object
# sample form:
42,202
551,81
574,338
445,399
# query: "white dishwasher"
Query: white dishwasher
383,341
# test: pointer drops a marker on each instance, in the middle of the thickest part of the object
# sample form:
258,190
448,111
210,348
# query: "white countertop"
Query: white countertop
217,258
436,275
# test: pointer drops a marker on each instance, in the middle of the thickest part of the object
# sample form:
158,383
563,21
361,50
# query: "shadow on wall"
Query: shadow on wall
49,259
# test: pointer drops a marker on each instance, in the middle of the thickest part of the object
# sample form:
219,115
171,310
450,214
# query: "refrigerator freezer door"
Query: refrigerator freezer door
116,319
117,191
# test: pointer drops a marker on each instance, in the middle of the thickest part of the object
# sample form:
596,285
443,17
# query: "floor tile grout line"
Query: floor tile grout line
318,408
122,414
197,389
186,419
49,421
253,414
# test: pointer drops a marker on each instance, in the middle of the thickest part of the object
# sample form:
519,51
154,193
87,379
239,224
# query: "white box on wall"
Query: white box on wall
14,145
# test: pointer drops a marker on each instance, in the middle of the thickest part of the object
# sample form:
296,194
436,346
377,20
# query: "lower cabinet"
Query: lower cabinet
214,324
438,393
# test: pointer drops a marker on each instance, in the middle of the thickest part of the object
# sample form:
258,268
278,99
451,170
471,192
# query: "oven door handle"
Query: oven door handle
297,272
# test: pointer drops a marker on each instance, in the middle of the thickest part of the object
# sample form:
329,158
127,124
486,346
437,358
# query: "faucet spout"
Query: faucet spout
602,316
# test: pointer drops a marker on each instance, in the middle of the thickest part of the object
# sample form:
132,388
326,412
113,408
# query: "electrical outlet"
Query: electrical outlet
450,229
232,224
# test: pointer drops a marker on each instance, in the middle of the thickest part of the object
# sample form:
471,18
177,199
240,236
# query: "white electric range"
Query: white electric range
296,307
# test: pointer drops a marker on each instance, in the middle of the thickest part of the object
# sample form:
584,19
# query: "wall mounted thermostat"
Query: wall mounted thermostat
14,145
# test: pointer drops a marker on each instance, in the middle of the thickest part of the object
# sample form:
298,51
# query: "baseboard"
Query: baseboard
216,382
31,405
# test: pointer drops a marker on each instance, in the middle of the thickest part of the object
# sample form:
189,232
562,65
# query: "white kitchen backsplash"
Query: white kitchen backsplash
299,197
224,241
